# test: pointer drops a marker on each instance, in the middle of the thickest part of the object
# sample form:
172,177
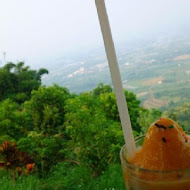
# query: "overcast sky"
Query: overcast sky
40,29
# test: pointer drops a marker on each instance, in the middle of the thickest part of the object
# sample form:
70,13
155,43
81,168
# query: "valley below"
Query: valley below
157,71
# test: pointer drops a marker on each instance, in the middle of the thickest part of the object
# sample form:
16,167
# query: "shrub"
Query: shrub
15,160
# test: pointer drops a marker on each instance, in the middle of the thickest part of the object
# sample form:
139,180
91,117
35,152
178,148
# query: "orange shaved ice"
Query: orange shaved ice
166,147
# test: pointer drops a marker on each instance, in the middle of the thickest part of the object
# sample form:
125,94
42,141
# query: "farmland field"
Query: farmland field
157,71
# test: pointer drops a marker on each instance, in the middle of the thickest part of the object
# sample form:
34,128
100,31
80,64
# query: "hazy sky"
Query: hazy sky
40,29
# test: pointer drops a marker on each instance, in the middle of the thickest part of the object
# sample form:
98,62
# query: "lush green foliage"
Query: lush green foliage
47,150
74,139
67,177
101,89
181,114
95,139
17,81
147,117
109,102
13,121
47,109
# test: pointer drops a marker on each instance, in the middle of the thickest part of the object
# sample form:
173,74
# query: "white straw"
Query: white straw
116,78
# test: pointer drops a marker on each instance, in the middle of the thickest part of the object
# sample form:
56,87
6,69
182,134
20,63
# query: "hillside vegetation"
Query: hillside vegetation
52,139
155,67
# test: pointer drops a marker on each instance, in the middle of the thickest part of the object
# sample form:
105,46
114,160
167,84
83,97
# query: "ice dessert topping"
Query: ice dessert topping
166,147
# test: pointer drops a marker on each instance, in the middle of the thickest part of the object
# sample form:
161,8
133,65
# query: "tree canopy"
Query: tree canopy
17,81
60,129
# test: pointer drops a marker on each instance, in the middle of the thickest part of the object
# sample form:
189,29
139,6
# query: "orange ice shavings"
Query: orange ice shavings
166,147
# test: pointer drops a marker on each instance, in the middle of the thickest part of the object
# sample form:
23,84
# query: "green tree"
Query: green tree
180,114
47,109
8,82
95,140
46,150
11,119
41,72
17,81
101,89
108,101
28,80
147,117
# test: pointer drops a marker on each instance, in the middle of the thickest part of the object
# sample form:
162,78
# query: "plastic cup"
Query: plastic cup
143,179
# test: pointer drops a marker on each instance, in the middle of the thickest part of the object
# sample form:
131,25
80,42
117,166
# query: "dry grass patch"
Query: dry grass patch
153,102
153,81
182,57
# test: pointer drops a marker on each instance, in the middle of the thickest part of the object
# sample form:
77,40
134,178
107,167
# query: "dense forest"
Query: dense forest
52,139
